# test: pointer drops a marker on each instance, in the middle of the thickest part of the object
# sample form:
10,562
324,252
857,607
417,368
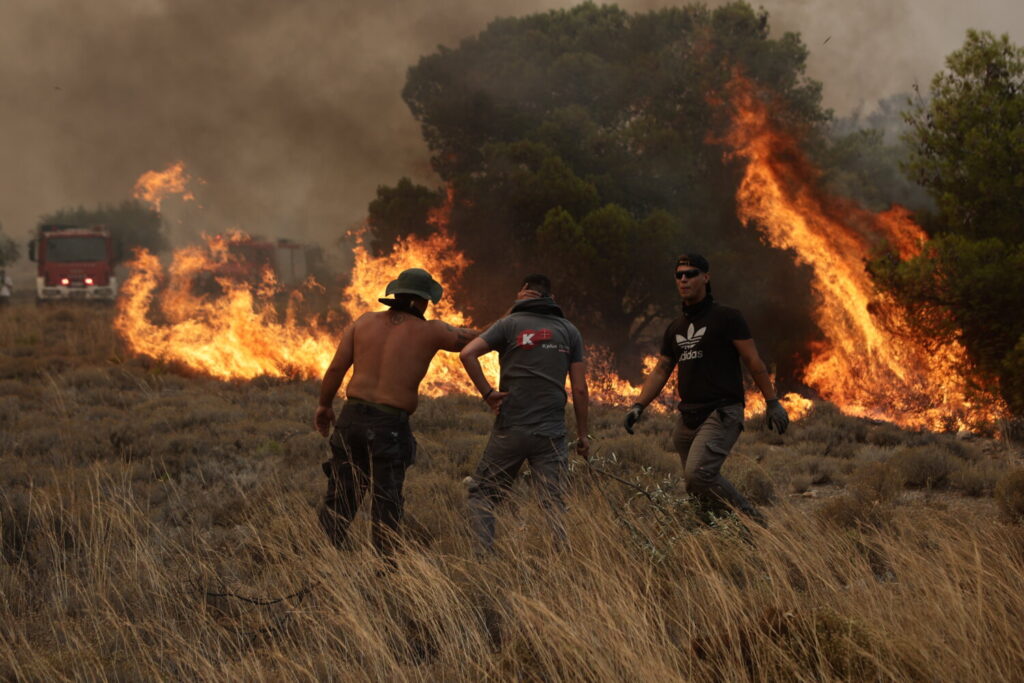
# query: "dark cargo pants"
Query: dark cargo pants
504,455
703,451
372,449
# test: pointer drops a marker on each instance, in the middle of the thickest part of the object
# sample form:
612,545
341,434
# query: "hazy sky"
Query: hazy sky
291,111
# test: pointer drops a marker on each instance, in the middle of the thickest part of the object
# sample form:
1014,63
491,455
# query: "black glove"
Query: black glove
776,417
633,416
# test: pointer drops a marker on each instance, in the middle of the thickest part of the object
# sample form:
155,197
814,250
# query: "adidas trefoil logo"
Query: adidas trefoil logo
692,337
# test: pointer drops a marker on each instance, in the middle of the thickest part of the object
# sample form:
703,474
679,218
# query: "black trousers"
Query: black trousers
371,449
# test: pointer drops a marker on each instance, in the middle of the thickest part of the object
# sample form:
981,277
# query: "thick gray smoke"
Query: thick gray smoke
290,111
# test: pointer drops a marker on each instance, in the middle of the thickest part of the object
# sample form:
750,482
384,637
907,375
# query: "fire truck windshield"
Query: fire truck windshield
75,249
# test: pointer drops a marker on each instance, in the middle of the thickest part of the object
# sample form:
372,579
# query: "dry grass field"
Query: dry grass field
159,526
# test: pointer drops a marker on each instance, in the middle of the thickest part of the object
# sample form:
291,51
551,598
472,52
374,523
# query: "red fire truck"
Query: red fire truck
74,263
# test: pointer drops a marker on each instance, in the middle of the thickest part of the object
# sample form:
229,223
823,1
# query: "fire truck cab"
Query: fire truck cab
74,263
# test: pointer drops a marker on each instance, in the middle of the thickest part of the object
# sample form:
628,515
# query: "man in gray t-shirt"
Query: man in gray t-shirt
537,347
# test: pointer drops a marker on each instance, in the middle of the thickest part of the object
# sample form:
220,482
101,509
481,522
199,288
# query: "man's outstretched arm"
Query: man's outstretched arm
342,361
454,338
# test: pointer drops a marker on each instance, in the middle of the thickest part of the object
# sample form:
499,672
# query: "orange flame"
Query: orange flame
864,367
796,406
155,186
237,335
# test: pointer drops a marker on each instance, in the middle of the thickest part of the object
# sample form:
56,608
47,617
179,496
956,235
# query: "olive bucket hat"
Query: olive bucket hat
417,282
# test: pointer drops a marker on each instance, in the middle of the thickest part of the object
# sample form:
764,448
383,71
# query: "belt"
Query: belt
384,408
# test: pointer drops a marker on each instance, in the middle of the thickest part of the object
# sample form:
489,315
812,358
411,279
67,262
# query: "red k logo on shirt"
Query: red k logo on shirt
527,339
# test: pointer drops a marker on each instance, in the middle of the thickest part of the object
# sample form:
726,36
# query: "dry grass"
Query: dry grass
141,510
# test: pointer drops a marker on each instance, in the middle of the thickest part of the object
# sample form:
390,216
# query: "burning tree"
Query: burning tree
575,142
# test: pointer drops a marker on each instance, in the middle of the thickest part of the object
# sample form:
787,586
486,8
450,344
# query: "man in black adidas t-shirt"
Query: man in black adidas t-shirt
707,344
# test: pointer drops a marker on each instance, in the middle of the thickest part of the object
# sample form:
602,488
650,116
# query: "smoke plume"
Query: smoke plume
291,112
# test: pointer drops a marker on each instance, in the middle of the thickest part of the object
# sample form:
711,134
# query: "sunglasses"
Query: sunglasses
688,274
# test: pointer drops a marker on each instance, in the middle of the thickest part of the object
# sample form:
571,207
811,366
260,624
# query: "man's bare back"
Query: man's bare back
390,352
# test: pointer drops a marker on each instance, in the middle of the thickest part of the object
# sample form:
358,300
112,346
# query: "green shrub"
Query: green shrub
1010,495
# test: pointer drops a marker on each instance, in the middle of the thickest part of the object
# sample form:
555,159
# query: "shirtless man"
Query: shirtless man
372,443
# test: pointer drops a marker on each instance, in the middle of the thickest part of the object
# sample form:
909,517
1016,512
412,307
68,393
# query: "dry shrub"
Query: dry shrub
827,425
88,377
10,408
180,412
1011,430
29,392
874,453
453,412
308,445
886,435
876,482
638,450
754,483
804,470
755,431
38,443
800,482
16,524
25,369
1010,495
436,504
453,451
925,466
978,478
852,512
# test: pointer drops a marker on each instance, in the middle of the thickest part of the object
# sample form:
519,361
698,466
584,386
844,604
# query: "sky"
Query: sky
290,112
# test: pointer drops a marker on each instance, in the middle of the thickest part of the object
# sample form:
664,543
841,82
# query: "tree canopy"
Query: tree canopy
967,139
577,142
967,149
131,223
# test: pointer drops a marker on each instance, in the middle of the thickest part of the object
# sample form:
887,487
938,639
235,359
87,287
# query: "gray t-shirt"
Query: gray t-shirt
534,351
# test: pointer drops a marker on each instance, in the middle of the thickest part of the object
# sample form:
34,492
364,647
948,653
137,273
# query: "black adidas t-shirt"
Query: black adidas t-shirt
709,364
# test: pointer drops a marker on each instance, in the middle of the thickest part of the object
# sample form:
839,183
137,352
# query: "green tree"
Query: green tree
131,223
967,149
967,139
577,141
